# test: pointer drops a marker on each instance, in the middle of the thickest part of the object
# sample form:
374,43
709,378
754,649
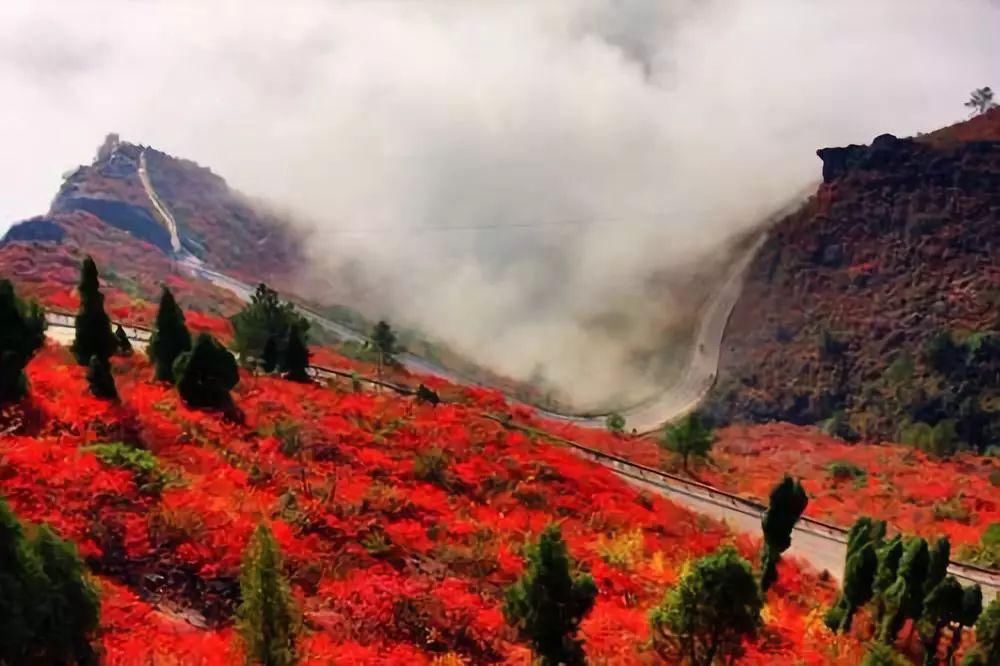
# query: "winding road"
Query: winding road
820,544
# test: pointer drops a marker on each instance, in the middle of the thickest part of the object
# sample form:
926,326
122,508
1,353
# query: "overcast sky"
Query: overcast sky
665,126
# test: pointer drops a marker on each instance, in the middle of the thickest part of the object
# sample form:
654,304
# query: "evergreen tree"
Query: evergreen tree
688,437
972,607
295,362
710,612
48,608
428,395
170,337
905,598
267,616
787,503
269,357
548,602
942,606
265,317
102,383
93,326
22,332
383,341
124,344
206,374
987,650
860,567
889,556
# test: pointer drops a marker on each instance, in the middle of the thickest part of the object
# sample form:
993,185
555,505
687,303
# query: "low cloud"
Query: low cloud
534,183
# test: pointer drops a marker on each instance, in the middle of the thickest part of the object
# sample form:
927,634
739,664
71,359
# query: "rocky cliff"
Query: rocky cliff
895,256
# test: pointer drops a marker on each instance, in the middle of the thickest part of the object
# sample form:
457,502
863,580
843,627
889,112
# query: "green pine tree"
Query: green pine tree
264,317
295,362
100,379
688,437
904,599
987,650
941,606
711,611
124,344
860,568
972,607
269,357
787,503
22,333
93,326
267,617
170,337
549,601
48,608
206,374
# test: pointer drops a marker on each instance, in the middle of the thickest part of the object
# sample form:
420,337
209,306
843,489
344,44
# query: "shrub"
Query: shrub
615,423
883,655
93,326
206,374
48,608
22,332
951,509
987,650
710,612
842,471
267,617
431,466
170,337
145,468
549,601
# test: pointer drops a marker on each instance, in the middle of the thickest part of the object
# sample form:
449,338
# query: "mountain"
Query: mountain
873,309
141,212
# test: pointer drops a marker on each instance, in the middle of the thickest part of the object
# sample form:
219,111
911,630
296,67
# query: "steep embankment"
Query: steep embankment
848,304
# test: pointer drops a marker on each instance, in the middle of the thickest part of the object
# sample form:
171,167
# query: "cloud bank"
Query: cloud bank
534,183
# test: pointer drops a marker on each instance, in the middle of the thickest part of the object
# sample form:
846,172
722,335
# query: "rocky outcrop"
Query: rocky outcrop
899,244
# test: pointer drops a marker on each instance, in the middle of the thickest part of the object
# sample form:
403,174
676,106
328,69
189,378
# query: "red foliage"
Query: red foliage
388,568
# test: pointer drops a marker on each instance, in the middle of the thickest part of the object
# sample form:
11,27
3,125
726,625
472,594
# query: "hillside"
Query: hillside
875,305
389,563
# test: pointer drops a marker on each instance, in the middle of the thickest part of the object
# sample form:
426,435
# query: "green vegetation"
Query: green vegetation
22,332
688,437
267,618
143,465
549,601
883,655
206,374
615,423
266,318
987,552
93,326
981,100
124,344
844,471
295,361
787,503
100,380
48,608
710,612
860,568
431,466
170,337
904,599
383,342
987,650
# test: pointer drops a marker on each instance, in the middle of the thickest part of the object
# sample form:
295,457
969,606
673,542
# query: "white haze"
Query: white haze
597,141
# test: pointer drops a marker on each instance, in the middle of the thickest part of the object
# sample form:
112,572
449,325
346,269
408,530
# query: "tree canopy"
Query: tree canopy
170,337
787,504
93,326
266,317
267,617
688,437
549,601
22,332
206,374
710,612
